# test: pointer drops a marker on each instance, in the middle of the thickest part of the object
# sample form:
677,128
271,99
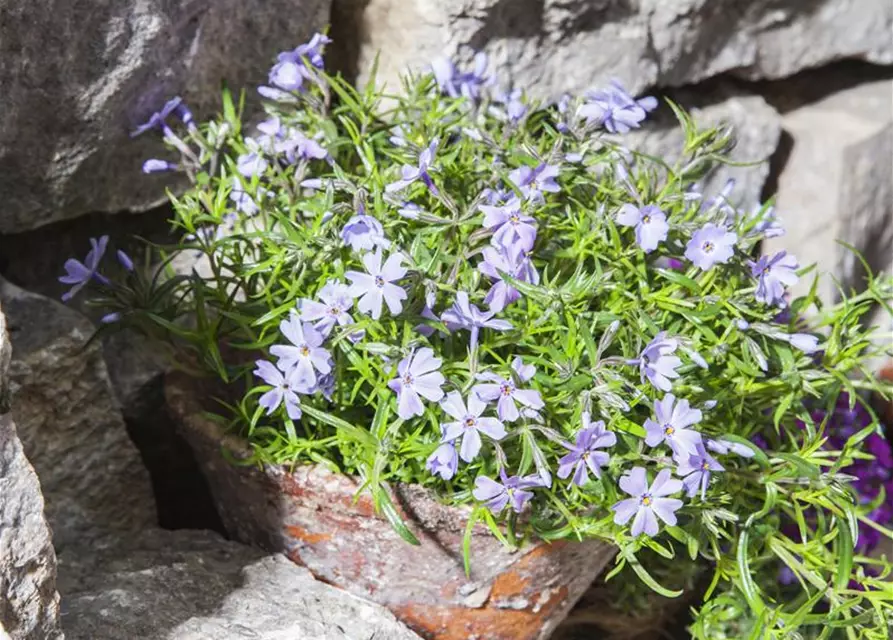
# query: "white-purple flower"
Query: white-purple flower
805,342
78,273
585,456
312,50
332,308
298,146
444,461
657,362
614,109
464,315
243,202
727,446
469,424
512,107
672,425
511,228
710,245
506,393
650,224
455,84
647,503
773,274
533,181
417,375
363,232
377,284
695,470
154,165
282,391
301,359
409,173
252,163
514,491
513,262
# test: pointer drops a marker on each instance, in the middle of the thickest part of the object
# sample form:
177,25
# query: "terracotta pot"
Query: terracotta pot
311,515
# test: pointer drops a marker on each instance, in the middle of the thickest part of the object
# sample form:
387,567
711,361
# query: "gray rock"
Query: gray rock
71,427
837,183
755,125
553,46
29,604
193,585
77,76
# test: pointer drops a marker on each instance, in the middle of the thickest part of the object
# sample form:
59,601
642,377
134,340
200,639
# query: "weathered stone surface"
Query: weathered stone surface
553,46
756,127
70,423
837,184
193,585
29,604
77,75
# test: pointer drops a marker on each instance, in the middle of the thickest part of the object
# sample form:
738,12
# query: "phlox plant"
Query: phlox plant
461,288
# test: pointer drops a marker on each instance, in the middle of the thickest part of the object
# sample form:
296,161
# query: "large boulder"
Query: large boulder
29,604
77,76
553,46
93,479
194,585
837,184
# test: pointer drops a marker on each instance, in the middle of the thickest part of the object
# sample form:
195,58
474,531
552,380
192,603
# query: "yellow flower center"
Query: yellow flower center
708,247
646,500
669,430
305,350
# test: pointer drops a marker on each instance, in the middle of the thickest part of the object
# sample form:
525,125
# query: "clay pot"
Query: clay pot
313,516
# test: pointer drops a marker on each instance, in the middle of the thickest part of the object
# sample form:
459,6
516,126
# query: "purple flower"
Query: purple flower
506,393
773,275
377,284
696,468
672,426
647,502
333,308
497,196
312,50
585,456
657,362
409,174
615,110
513,262
417,375
124,260
496,495
304,356
243,202
533,181
297,146
513,107
252,163
363,232
157,119
110,318
469,425
444,461
726,446
398,135
154,165
281,392
650,223
410,211
455,84
464,315
511,227
78,273
427,312
710,245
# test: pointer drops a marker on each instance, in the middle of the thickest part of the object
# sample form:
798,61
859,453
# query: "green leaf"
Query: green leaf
645,577
386,507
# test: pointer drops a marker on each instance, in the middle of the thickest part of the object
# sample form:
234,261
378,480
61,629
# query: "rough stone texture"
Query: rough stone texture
553,46
194,585
77,75
316,517
756,126
837,183
70,424
29,604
